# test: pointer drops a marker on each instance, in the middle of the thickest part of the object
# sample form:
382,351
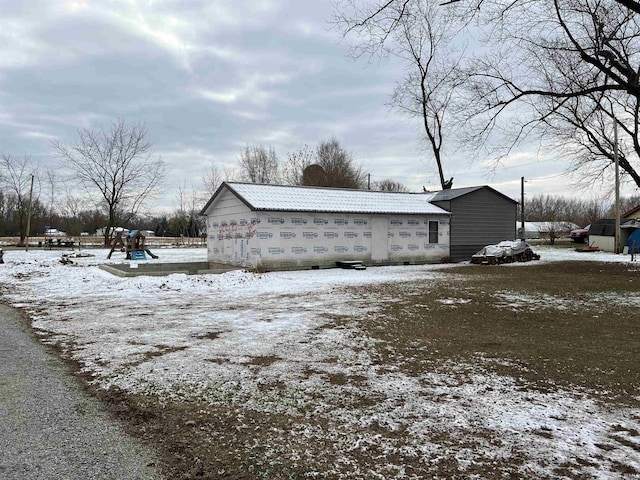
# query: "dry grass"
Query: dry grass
552,323
581,336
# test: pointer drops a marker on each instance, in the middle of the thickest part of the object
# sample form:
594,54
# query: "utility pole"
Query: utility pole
617,173
522,232
29,215
368,181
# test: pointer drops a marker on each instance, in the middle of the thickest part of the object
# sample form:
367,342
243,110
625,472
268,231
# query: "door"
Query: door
379,240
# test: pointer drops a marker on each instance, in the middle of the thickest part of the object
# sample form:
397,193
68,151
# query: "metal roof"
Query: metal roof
631,211
444,195
605,227
338,200
450,194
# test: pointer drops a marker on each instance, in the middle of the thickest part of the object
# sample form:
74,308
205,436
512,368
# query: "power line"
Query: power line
549,176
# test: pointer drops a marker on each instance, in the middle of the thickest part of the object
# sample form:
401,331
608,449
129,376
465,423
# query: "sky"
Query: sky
208,78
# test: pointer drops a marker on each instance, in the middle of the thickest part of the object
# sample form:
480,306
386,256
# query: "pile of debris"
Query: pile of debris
505,252
65,259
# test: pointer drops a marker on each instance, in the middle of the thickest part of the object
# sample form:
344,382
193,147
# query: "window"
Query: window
433,231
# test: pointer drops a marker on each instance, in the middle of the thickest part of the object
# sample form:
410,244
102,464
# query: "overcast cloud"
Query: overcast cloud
208,78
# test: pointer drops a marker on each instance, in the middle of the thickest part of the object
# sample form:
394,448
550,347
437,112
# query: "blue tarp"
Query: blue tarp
634,241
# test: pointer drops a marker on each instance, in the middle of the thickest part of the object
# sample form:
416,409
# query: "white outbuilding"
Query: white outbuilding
284,227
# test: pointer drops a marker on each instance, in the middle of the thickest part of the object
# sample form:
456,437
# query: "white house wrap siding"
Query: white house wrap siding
239,234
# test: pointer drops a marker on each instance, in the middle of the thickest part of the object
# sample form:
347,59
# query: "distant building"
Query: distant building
54,232
602,233
101,231
546,229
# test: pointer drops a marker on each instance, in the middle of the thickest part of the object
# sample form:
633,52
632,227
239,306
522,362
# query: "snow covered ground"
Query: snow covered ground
224,337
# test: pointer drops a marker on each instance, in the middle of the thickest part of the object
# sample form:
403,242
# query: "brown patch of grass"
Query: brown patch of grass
625,442
584,345
543,433
342,379
219,361
161,350
624,469
607,447
208,335
263,361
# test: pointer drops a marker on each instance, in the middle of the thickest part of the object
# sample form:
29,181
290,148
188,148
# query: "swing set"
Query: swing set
133,244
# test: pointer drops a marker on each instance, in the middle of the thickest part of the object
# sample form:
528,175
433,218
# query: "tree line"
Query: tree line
107,177
328,165
582,212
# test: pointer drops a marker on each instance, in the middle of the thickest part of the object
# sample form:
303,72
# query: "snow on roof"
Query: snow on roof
450,194
444,195
314,199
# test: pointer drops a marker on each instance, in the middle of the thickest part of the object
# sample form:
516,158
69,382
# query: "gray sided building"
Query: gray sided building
284,227
480,216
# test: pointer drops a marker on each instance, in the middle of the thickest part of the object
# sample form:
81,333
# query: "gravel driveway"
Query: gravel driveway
49,427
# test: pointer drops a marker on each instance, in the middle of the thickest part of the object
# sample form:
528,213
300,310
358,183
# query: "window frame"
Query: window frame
434,233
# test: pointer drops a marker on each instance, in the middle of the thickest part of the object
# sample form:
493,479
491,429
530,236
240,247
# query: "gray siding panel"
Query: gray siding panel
477,219
461,253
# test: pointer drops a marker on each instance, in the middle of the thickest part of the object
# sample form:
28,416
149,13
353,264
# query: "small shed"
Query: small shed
602,233
480,216
286,227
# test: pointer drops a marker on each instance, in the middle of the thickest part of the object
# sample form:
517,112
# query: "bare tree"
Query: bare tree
16,179
180,218
51,179
590,28
212,178
73,204
339,166
389,185
564,70
186,220
315,176
627,203
420,33
432,78
297,161
181,197
259,164
568,72
3,213
583,128
329,165
582,212
116,167
550,211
